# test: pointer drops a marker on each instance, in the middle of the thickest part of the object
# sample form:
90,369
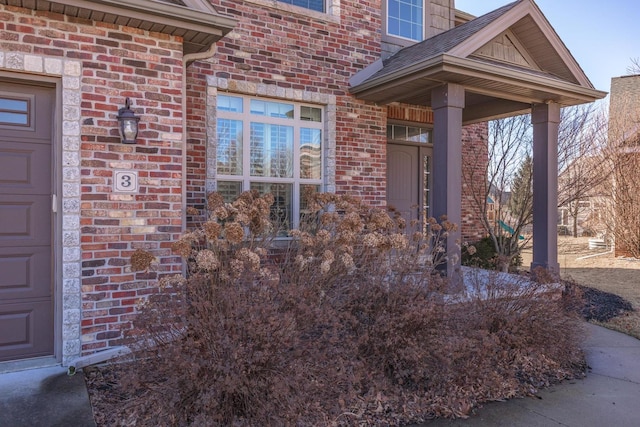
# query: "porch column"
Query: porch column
447,102
545,119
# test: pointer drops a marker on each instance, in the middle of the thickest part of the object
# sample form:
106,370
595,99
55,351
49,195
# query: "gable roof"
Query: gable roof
440,43
511,54
196,21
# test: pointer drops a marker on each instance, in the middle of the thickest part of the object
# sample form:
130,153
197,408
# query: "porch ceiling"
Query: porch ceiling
506,61
199,26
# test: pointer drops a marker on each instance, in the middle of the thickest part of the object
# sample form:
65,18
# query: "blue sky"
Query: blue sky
603,36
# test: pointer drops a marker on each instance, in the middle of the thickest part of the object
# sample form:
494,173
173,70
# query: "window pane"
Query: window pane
16,105
306,190
416,134
310,153
409,133
405,18
229,103
271,109
229,149
281,212
393,9
271,150
311,114
14,118
14,111
308,4
230,190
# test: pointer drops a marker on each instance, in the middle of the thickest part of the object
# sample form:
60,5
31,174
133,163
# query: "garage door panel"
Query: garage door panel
21,331
26,273
25,168
25,220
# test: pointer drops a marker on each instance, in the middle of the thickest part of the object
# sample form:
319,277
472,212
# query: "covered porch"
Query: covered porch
505,63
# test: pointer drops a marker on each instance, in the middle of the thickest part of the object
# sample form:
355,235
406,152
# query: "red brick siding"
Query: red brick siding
297,51
196,166
117,62
287,50
474,160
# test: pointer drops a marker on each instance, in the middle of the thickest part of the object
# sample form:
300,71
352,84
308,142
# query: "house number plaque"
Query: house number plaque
125,182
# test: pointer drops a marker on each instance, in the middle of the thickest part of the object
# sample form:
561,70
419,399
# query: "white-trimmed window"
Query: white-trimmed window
271,146
405,19
317,5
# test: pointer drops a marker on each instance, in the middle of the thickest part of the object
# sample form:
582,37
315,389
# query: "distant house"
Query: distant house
586,187
624,137
346,96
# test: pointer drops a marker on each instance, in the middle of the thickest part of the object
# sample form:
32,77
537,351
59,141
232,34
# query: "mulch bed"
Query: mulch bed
602,306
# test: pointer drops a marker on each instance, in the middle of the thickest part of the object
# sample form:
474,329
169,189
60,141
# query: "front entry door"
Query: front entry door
408,182
26,282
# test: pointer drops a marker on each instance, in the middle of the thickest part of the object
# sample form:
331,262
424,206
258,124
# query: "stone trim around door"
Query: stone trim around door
67,289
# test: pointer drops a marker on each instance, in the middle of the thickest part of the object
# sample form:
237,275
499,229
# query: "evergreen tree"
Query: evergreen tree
520,202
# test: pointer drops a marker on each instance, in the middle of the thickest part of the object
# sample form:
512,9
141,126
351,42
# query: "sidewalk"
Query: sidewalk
44,397
608,396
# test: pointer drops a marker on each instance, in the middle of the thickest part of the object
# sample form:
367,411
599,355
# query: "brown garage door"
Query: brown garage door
26,283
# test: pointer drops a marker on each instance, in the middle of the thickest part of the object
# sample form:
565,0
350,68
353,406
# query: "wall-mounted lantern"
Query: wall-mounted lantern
127,123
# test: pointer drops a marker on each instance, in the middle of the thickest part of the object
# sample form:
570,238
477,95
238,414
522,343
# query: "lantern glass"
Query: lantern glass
129,130
128,124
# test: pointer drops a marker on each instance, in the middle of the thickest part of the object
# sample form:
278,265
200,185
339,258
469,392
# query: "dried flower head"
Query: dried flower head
250,259
172,282
234,232
323,237
347,261
207,260
214,200
212,230
141,260
399,241
221,213
182,247
351,222
325,267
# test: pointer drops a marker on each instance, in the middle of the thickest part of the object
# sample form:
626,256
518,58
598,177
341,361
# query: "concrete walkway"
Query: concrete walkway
608,396
44,397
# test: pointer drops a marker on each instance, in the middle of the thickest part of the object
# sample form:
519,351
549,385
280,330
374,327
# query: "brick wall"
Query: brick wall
311,52
101,229
295,53
474,160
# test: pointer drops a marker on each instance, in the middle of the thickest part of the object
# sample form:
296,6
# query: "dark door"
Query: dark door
26,283
408,181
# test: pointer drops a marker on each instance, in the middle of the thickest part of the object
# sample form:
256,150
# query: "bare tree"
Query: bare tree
581,170
509,142
505,199
623,155
634,68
